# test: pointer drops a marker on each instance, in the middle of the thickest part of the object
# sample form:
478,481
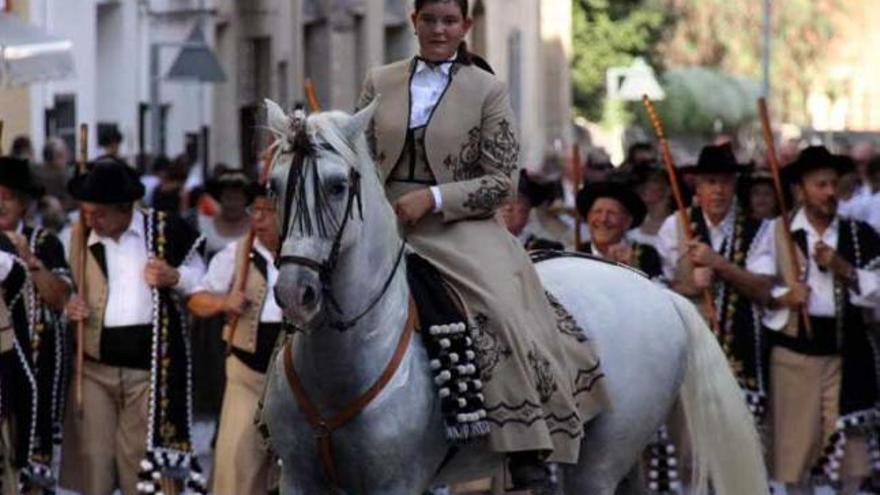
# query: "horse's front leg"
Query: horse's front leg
295,483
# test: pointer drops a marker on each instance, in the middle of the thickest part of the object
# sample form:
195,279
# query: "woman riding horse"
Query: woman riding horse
446,146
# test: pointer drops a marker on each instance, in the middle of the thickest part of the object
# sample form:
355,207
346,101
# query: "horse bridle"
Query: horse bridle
325,268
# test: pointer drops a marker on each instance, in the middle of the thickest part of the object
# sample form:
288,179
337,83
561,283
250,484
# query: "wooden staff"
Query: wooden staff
1,136
775,168
683,219
245,267
312,96
577,180
81,279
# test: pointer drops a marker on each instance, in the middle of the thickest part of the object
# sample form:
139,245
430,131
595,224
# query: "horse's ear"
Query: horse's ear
361,120
277,120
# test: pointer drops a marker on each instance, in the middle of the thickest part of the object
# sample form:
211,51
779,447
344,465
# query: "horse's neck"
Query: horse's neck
342,365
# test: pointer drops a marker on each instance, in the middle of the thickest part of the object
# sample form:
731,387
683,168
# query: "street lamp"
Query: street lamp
196,62
631,83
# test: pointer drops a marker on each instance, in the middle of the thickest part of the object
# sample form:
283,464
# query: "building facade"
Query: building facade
268,48
111,87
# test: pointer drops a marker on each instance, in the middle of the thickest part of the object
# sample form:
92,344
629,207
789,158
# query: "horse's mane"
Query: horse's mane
329,131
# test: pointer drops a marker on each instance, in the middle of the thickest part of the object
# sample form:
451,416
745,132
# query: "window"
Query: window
144,127
61,121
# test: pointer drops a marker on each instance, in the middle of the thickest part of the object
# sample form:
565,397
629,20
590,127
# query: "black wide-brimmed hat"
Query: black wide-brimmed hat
15,174
231,178
620,191
816,158
537,192
107,182
718,159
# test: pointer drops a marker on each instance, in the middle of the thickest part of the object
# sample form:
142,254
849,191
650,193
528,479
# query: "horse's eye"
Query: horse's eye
337,188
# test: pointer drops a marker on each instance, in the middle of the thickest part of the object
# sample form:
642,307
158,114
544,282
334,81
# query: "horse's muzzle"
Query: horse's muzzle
298,293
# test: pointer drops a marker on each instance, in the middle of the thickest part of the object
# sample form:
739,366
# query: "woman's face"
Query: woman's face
440,26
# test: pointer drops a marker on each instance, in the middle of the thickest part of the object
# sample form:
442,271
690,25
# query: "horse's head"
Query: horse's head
327,188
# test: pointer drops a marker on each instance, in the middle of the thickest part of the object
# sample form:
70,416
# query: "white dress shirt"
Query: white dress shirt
873,216
760,258
221,275
427,85
129,300
7,261
821,283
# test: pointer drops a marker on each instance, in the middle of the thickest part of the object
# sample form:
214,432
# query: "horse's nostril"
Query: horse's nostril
309,297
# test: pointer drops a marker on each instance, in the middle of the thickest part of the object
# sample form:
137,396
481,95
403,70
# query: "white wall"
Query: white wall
76,21
111,58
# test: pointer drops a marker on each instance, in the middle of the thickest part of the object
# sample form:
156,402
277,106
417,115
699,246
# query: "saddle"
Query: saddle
446,335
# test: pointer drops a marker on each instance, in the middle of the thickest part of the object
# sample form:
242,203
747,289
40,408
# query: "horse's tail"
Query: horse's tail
725,444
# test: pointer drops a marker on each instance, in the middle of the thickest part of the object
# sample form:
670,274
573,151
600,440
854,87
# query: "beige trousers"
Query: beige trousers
804,395
241,462
103,447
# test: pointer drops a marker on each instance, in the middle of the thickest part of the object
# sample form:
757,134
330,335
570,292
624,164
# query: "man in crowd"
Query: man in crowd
516,213
242,464
135,419
20,464
611,209
824,376
731,259
48,284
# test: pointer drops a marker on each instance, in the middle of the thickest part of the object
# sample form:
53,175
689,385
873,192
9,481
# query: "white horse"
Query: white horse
653,345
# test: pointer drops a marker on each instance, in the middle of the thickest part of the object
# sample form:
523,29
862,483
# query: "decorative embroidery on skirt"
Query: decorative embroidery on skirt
565,322
527,413
587,378
490,349
545,382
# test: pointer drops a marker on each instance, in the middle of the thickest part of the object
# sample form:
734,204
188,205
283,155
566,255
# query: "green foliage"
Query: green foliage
724,35
609,33
698,97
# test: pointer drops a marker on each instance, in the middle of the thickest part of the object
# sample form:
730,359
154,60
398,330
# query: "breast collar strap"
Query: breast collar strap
323,427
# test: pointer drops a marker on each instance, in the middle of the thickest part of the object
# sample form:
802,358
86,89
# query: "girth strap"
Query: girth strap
322,427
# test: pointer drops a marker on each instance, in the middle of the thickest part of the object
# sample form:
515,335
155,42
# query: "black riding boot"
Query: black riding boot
528,471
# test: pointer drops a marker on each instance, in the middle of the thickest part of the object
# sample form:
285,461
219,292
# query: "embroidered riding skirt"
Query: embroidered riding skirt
542,382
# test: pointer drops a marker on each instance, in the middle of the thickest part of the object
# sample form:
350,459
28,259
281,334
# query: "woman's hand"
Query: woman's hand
414,205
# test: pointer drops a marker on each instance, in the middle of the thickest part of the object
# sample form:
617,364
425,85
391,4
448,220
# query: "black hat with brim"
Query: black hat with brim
815,158
15,174
231,179
718,159
107,182
537,193
615,190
